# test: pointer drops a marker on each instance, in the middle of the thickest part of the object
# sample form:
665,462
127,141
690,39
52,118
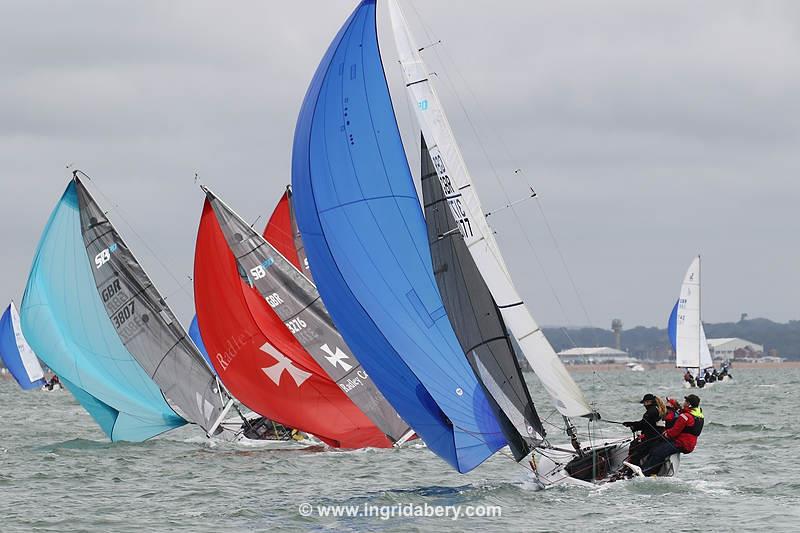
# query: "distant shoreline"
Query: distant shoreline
608,367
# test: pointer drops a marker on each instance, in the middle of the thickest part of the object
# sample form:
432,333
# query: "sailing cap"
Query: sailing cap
648,398
693,400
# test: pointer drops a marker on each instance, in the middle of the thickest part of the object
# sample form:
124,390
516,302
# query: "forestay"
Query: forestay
366,242
257,357
296,301
467,211
691,346
66,323
476,320
145,323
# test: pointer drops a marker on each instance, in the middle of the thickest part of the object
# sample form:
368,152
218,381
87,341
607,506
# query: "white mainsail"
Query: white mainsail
468,212
691,346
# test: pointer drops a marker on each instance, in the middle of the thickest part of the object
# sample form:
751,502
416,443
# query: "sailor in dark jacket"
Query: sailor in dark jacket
650,432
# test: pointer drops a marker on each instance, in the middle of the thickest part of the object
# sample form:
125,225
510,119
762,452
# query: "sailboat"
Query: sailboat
95,318
16,353
685,329
367,245
254,352
197,339
295,299
282,233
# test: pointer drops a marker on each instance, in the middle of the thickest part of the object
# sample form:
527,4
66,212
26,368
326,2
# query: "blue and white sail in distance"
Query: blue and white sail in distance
16,354
691,346
367,245
66,322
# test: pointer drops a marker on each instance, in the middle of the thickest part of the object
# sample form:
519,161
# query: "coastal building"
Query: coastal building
599,355
734,348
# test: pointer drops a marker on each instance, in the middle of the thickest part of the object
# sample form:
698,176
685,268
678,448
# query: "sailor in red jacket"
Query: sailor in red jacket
680,438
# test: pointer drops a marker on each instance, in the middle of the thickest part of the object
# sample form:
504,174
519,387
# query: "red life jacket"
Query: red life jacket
686,429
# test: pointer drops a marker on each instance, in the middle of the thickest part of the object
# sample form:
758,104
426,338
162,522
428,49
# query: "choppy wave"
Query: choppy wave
58,464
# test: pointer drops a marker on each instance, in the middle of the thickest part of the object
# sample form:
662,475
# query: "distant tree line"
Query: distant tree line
652,343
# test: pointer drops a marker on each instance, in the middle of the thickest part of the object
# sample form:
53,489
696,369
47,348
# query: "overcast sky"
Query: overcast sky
652,131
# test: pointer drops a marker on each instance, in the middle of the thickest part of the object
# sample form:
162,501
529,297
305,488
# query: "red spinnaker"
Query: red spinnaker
279,231
257,357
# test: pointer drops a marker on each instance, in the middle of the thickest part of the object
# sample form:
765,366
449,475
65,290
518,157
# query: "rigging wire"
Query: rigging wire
445,58
119,213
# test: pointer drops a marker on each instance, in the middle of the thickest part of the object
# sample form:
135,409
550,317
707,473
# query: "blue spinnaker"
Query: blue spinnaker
65,322
672,327
29,376
194,333
367,246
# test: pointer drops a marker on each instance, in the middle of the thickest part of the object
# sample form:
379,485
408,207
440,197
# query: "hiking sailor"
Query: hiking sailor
680,438
650,432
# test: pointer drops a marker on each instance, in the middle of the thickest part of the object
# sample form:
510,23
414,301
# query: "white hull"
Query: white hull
550,466
232,432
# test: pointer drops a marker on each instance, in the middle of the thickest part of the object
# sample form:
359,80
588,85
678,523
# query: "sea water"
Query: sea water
58,472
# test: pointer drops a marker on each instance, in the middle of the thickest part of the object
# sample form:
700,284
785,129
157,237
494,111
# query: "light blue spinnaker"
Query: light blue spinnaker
16,354
67,325
367,246
194,333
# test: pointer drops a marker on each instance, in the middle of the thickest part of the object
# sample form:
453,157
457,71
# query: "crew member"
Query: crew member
680,438
673,412
648,426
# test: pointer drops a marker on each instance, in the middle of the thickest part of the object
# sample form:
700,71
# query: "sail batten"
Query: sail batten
296,301
465,205
257,357
366,244
477,321
65,321
691,346
144,322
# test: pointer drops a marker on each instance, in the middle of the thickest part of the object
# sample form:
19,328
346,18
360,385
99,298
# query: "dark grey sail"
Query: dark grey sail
476,320
296,301
145,323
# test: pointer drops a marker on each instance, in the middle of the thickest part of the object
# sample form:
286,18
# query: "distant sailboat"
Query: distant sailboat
685,327
282,233
258,358
16,354
95,318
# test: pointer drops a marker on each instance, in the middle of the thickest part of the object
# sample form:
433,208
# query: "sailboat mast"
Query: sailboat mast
699,318
573,435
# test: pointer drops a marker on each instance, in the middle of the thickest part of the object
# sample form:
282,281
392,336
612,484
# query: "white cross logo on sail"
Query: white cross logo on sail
338,357
275,371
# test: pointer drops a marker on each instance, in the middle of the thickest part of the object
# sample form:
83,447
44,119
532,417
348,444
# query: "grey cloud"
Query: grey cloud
652,131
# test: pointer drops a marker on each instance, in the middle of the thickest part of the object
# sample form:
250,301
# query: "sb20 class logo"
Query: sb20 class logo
105,255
